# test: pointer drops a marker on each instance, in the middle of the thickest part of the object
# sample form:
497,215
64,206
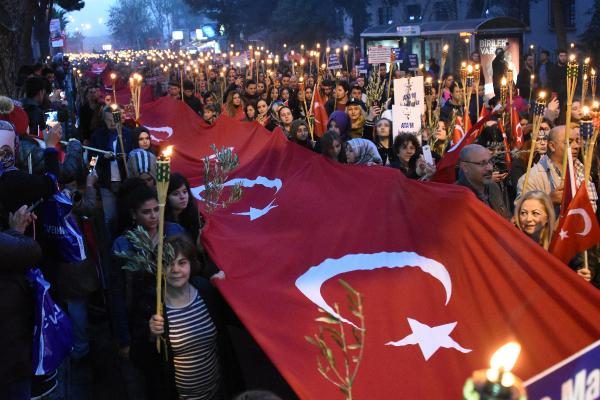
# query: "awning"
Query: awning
441,28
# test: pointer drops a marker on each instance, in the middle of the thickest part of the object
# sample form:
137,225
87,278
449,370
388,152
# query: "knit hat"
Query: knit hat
142,162
13,113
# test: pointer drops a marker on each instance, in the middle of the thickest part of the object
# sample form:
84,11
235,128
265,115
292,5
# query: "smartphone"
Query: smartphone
427,154
92,165
51,118
34,205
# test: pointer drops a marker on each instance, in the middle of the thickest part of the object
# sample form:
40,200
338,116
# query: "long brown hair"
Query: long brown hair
230,108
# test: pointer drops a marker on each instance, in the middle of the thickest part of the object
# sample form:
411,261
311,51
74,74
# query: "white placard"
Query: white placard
406,119
410,92
380,54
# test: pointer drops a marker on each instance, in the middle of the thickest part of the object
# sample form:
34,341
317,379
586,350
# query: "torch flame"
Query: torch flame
469,69
167,152
503,82
586,110
572,57
542,95
587,60
506,357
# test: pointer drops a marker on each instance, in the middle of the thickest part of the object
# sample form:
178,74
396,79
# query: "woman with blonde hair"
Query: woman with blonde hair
534,216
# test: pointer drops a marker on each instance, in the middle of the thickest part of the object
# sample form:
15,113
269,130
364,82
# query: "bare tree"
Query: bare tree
15,41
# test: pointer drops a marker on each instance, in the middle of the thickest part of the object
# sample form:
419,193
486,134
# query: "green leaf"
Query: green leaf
311,340
347,286
327,320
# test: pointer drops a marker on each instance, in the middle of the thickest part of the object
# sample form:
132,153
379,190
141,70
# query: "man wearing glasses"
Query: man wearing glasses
476,167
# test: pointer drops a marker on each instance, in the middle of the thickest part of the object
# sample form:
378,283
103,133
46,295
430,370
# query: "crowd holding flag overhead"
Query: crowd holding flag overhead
216,209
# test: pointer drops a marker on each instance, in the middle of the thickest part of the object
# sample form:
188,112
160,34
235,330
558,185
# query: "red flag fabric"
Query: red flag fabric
569,190
457,133
320,114
517,129
467,119
578,230
484,112
435,308
446,168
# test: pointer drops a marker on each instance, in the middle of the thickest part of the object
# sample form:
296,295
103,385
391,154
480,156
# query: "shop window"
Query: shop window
568,12
384,15
413,12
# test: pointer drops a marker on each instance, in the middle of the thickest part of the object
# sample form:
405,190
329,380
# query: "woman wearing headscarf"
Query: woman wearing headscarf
300,134
362,151
340,122
141,139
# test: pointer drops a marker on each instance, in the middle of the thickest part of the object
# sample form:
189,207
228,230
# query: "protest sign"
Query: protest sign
410,92
380,54
406,119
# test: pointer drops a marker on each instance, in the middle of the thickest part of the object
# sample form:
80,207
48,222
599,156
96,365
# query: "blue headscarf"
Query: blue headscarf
342,122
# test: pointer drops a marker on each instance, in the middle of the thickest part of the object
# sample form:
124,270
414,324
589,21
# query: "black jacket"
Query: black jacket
144,354
194,103
18,188
71,168
36,115
102,139
18,253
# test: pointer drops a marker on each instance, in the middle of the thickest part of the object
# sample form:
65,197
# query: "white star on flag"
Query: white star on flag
430,339
563,234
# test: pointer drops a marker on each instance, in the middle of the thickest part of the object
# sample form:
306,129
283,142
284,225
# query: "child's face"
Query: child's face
178,273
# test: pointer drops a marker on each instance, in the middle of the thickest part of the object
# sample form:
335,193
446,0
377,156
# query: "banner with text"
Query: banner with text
406,119
576,378
380,54
409,92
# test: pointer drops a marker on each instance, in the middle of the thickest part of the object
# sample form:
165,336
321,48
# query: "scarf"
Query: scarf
365,150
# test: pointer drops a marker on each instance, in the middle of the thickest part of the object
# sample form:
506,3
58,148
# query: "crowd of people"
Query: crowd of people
109,189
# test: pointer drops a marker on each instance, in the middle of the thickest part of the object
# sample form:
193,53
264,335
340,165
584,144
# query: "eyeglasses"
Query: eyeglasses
480,163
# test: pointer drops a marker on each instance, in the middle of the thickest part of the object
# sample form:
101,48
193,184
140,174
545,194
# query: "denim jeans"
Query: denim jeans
77,310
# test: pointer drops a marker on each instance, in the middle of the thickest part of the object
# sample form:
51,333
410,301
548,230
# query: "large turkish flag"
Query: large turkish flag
445,280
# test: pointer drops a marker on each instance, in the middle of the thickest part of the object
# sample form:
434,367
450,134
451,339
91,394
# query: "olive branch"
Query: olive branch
342,376
374,89
215,176
144,254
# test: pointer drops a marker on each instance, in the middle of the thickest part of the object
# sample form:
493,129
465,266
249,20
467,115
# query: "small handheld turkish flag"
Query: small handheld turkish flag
517,129
578,230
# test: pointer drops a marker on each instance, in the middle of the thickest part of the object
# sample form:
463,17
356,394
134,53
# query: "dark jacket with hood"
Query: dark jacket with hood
18,253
